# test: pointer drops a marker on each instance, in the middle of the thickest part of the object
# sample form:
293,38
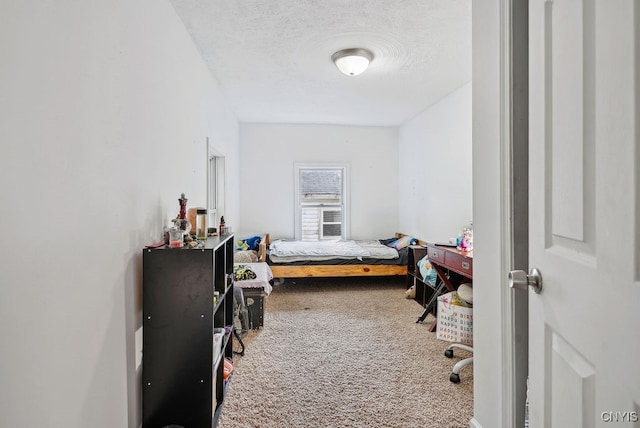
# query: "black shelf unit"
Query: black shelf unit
426,293
417,252
182,366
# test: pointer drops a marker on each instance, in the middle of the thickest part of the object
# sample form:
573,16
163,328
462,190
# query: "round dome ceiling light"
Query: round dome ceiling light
352,61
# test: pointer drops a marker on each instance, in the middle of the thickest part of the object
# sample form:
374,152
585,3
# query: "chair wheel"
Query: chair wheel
448,353
454,377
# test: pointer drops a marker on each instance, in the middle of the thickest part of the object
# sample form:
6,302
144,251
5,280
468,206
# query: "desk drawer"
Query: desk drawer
436,255
459,263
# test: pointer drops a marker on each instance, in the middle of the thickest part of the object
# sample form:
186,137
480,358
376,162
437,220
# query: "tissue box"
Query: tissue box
218,338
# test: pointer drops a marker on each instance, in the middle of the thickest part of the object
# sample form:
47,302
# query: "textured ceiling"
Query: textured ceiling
272,58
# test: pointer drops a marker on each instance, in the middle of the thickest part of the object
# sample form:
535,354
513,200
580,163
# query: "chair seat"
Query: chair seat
465,292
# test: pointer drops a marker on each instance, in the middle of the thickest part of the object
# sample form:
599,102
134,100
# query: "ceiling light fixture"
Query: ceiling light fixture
352,61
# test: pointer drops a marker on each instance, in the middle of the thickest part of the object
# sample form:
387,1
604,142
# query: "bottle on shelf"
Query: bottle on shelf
221,229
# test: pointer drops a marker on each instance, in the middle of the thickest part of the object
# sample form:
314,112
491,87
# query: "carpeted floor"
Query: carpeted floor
345,353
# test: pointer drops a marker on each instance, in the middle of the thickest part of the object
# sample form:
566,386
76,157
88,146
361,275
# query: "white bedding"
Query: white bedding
263,276
378,251
296,251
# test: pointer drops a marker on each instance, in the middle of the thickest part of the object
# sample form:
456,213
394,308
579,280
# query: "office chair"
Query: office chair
465,292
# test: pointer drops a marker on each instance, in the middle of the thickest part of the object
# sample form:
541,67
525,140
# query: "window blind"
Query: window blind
321,186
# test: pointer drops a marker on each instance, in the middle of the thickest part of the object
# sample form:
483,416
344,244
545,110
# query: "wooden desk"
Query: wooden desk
453,267
458,263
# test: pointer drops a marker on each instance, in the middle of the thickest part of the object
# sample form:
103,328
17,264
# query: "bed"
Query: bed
322,264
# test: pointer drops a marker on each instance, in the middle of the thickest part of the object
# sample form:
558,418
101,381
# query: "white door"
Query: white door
584,198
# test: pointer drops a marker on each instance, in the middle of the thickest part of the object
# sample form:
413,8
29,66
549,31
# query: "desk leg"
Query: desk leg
443,276
446,282
433,303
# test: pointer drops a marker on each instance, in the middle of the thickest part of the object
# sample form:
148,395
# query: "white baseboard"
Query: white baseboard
473,423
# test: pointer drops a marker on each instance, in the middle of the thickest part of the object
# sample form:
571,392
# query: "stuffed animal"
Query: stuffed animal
427,271
411,292
250,243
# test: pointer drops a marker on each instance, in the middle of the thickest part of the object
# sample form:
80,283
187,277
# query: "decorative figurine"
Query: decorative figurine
181,221
466,238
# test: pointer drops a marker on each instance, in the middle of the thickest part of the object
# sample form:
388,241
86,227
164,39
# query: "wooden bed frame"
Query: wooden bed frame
284,271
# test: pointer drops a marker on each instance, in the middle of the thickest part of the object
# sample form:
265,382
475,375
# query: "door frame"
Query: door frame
514,224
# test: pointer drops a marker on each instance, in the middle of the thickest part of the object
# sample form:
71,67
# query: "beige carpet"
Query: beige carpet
345,353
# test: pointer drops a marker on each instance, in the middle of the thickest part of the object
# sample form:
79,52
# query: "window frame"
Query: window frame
215,185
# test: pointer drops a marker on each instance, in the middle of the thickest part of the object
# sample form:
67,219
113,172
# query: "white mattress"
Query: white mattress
282,251
263,276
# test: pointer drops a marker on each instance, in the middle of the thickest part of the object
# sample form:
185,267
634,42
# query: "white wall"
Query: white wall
105,110
268,153
435,198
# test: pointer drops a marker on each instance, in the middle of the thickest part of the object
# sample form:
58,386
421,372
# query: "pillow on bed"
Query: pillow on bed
245,257
403,242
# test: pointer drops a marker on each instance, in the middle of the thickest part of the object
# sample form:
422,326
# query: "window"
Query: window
321,202
212,197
